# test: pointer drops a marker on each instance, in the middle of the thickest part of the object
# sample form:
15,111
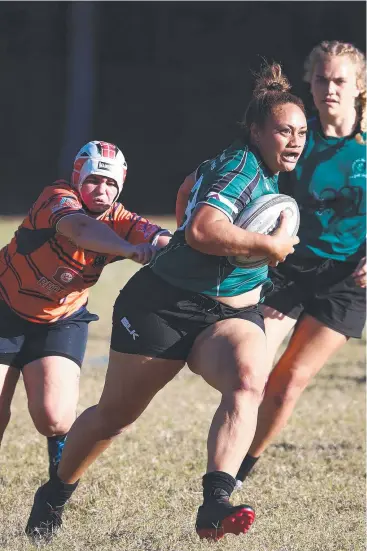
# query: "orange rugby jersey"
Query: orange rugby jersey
43,275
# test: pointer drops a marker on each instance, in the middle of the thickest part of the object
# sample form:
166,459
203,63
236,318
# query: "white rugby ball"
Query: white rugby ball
262,216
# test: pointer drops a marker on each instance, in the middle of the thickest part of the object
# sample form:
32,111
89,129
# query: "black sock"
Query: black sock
59,492
217,485
246,466
55,445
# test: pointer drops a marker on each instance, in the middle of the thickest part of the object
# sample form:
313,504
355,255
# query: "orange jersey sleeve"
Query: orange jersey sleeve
130,226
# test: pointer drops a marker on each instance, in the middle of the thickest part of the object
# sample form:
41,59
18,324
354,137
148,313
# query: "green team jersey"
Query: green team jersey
228,183
329,185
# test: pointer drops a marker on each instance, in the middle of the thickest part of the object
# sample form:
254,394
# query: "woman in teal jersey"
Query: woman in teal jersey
322,287
191,305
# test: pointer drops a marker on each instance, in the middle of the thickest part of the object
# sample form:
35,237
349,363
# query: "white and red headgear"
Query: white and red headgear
99,158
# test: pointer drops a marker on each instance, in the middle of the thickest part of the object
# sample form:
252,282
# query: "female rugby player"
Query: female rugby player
320,291
191,305
70,233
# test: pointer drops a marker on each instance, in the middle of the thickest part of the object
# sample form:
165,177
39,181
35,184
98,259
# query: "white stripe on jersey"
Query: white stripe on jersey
222,199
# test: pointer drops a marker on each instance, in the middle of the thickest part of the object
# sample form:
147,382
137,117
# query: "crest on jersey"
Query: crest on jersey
64,276
359,168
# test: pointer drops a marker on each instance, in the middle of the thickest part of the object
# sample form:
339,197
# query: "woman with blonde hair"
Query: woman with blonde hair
320,291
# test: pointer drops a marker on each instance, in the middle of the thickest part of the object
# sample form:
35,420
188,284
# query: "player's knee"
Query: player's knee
292,384
51,421
248,381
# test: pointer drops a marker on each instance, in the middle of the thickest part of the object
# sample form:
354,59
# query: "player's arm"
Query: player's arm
211,232
183,197
138,230
211,227
94,235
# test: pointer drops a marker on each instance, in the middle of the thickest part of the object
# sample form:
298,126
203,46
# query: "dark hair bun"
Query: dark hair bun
276,86
270,79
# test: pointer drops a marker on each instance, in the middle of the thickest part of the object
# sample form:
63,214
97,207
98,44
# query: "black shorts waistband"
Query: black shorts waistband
207,302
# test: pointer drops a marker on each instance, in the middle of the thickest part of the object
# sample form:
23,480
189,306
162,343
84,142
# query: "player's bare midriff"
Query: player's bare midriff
240,301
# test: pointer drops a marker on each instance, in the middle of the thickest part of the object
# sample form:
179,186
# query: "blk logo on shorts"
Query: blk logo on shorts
125,322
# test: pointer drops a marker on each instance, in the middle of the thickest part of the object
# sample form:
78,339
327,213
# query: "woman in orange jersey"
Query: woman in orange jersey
70,233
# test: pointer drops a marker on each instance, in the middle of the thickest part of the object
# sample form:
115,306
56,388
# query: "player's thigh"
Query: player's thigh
310,347
132,381
51,358
282,306
231,355
52,386
277,327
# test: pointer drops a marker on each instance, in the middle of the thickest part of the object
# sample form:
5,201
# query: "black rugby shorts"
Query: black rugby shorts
22,341
321,288
156,319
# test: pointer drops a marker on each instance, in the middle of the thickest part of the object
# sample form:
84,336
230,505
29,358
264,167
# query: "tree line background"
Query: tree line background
166,81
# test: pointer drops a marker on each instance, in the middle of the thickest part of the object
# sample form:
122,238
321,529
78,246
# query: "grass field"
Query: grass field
143,493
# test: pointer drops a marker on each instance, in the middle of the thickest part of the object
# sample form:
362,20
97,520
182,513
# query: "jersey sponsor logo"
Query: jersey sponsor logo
218,197
105,166
359,168
99,261
63,276
65,202
125,322
48,286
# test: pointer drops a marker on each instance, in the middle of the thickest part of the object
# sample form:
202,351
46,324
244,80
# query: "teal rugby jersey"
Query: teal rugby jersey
329,185
228,183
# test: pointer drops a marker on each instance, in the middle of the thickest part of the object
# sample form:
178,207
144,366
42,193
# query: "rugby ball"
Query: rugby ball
263,216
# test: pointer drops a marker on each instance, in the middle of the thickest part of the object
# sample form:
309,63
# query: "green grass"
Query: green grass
142,494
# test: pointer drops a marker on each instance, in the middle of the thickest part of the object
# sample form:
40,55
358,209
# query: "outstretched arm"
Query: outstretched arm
94,235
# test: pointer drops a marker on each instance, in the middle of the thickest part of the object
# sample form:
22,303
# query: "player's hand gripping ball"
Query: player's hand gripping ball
263,216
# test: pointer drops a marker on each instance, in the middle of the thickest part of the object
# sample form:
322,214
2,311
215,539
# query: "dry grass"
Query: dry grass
143,493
